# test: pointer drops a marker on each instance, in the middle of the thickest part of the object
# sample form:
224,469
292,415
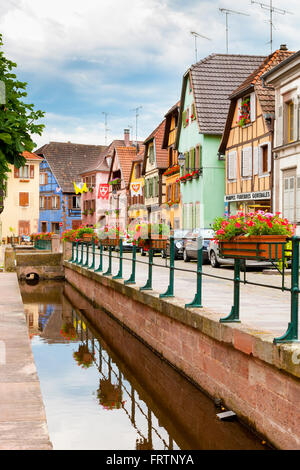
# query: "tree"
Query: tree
18,120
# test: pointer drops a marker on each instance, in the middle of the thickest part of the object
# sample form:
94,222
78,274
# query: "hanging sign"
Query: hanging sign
80,187
103,191
136,189
58,189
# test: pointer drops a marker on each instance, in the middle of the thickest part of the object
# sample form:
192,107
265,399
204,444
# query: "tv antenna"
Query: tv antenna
136,121
230,12
197,35
271,10
105,124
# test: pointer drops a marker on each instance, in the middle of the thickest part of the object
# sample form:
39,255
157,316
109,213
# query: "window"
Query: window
171,161
291,120
169,193
151,154
176,191
55,227
289,196
42,202
23,199
193,112
75,202
137,170
55,202
265,158
43,178
24,227
26,171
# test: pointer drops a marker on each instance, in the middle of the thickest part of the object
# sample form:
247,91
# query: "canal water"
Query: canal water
103,389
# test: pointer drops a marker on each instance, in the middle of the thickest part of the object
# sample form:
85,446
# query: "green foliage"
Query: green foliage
18,120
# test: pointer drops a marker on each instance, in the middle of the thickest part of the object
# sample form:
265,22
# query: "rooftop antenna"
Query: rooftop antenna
136,121
197,35
229,12
271,10
105,124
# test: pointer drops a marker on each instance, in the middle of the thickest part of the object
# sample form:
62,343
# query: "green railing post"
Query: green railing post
170,291
80,263
86,264
291,335
100,267
197,302
148,285
72,257
234,315
120,273
108,272
76,257
131,280
92,266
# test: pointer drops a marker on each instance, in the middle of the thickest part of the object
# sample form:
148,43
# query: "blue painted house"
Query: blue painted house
60,206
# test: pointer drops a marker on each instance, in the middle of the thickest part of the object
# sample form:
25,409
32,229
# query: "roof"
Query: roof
138,158
282,64
172,111
161,154
31,156
213,80
265,94
67,161
125,156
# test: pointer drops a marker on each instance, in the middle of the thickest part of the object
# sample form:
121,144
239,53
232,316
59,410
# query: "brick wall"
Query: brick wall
254,377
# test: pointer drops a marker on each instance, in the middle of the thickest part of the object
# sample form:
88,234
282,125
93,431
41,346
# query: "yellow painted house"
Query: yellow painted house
247,142
172,206
20,215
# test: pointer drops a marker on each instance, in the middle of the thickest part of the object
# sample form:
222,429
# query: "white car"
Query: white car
216,260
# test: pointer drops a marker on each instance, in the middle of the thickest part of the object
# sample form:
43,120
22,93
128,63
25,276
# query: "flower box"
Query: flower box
259,247
110,241
87,237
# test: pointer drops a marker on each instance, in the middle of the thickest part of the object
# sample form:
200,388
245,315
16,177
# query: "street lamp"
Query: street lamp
181,160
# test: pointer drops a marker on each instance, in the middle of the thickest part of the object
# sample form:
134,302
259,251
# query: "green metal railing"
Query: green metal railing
42,244
81,251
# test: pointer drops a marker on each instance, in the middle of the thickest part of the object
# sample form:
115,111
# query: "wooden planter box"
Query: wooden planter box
110,241
262,247
157,242
87,237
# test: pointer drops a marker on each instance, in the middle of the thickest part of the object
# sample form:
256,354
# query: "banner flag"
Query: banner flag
136,189
103,191
80,187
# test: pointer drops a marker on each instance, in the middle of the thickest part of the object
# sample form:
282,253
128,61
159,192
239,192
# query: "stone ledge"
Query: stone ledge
240,336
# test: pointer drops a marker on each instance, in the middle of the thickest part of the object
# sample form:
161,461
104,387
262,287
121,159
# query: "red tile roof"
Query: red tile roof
125,157
31,156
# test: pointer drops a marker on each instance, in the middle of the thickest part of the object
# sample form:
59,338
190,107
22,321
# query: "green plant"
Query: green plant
253,223
18,120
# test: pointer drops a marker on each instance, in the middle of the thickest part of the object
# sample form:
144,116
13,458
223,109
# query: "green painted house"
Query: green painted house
204,107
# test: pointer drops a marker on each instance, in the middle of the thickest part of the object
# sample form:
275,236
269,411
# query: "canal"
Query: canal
103,389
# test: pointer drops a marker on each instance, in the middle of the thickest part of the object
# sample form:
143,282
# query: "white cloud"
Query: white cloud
113,53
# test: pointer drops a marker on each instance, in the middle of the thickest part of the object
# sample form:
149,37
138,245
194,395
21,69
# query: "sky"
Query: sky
84,59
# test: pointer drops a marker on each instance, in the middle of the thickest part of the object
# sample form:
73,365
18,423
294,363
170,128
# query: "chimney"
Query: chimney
126,137
283,47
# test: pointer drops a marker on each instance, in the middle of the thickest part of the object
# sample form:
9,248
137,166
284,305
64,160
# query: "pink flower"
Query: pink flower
238,225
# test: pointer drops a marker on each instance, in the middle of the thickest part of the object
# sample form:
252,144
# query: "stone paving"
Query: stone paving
23,423
261,308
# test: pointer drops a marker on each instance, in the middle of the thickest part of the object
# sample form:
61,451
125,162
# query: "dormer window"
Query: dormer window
244,111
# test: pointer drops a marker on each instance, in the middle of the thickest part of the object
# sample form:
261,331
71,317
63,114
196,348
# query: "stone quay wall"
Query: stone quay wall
241,366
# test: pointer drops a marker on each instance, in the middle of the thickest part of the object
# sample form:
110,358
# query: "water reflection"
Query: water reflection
103,389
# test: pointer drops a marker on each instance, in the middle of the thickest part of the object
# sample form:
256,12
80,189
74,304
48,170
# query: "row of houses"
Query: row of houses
230,143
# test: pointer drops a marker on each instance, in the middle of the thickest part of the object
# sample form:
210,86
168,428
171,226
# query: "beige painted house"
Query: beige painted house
20,215
247,142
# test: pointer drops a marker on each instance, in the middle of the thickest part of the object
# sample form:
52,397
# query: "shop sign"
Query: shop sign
248,196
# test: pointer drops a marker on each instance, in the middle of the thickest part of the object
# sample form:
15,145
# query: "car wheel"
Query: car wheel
186,258
163,253
213,260
143,253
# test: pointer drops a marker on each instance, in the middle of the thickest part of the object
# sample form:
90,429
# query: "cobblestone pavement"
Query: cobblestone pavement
261,308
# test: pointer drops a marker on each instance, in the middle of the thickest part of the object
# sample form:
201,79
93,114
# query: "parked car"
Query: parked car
179,236
127,245
190,249
216,260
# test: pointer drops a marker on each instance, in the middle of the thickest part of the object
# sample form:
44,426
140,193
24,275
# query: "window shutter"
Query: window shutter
252,107
231,165
255,160
16,172
197,158
192,159
200,157
246,162
184,118
279,126
187,164
24,199
298,199
239,104
260,161
31,171
269,156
